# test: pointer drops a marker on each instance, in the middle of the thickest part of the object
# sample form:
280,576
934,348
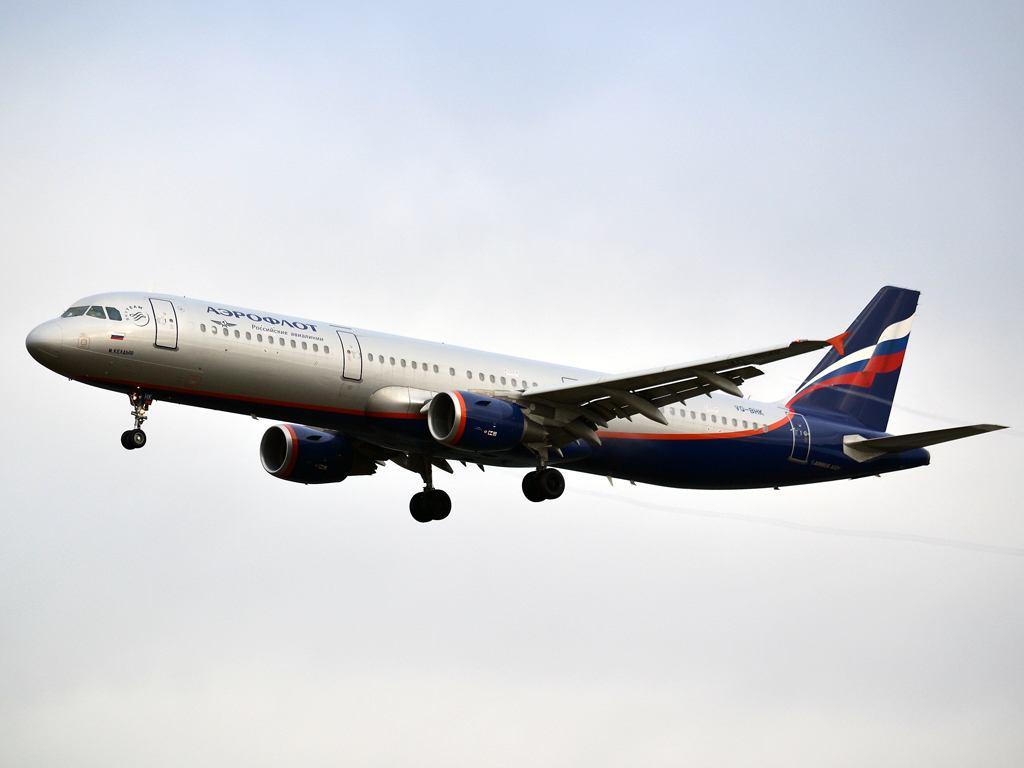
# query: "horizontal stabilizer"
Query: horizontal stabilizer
863,449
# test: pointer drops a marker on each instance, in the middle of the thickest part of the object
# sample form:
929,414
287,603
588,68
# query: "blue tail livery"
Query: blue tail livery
352,400
857,379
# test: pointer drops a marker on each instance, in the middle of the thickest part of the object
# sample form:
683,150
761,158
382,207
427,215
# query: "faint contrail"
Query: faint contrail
992,549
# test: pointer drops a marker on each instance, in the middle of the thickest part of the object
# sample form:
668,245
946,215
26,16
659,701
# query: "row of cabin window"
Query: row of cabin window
259,338
111,313
714,419
451,371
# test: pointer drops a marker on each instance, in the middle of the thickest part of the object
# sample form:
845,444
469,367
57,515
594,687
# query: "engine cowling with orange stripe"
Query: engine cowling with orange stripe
478,423
303,455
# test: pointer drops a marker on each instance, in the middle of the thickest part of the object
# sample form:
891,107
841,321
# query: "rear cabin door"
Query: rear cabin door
352,356
801,439
166,323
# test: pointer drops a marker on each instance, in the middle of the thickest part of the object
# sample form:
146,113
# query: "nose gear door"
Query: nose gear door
166,323
352,356
801,439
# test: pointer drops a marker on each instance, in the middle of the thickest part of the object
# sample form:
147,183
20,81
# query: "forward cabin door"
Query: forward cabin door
166,323
352,356
801,439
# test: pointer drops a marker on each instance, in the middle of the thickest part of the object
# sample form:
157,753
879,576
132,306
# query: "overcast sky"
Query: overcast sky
608,187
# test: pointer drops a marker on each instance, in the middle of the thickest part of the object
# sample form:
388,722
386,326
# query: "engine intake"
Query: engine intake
478,423
304,455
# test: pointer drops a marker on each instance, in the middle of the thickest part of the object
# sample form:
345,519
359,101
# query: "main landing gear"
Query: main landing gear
543,484
136,438
430,503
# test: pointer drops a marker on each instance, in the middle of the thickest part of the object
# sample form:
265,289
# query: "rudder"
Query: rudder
857,379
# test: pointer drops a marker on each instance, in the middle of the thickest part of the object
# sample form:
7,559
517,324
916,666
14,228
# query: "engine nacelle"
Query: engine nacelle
304,455
478,423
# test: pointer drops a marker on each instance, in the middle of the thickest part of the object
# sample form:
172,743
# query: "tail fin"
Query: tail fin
857,379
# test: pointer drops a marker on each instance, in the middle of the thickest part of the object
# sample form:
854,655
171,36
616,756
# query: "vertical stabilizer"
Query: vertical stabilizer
857,379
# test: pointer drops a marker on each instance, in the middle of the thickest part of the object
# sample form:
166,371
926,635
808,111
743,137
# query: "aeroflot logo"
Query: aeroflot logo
260,319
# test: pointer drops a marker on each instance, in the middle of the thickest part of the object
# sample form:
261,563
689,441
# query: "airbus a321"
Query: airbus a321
352,400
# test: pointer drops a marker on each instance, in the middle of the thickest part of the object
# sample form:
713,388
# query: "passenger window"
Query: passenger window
535,383
316,348
436,369
481,377
734,422
370,358
270,339
293,343
672,411
113,314
96,312
492,378
469,374
304,346
744,425
451,371
248,336
513,382
327,350
755,425
714,419
75,312
202,327
502,379
425,366
413,364
703,417
280,340
392,361
226,333
693,415
403,362
238,335
259,337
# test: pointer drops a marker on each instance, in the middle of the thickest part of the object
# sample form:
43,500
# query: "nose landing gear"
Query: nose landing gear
543,484
136,438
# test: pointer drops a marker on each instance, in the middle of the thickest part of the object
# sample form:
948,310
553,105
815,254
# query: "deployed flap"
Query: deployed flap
863,449
621,395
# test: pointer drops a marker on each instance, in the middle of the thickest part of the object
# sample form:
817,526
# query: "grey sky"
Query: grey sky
607,187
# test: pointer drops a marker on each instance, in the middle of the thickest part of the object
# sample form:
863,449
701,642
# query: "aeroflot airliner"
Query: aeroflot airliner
353,399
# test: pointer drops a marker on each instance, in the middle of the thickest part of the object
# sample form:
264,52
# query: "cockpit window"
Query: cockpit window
113,314
96,312
75,312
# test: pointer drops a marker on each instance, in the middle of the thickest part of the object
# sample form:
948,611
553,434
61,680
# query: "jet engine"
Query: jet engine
304,455
477,423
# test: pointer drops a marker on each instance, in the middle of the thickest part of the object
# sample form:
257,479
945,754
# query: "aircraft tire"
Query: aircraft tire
551,483
531,487
418,508
138,438
126,439
438,504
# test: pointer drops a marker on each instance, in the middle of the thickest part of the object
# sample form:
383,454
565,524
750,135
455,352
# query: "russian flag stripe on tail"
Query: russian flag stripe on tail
859,385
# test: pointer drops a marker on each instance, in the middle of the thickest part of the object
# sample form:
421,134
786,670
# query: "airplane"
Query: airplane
351,400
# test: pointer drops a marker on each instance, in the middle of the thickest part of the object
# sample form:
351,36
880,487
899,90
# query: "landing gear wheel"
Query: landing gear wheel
418,508
531,488
543,484
551,483
126,439
439,504
137,438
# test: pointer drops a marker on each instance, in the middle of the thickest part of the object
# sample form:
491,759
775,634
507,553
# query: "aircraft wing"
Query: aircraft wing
597,401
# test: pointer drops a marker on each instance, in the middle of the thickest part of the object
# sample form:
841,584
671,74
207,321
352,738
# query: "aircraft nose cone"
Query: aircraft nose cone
44,342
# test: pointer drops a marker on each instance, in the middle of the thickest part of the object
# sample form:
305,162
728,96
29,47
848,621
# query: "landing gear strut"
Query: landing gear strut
136,438
543,484
430,503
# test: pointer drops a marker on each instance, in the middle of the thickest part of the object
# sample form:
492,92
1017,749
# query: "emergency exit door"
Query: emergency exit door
166,323
352,356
